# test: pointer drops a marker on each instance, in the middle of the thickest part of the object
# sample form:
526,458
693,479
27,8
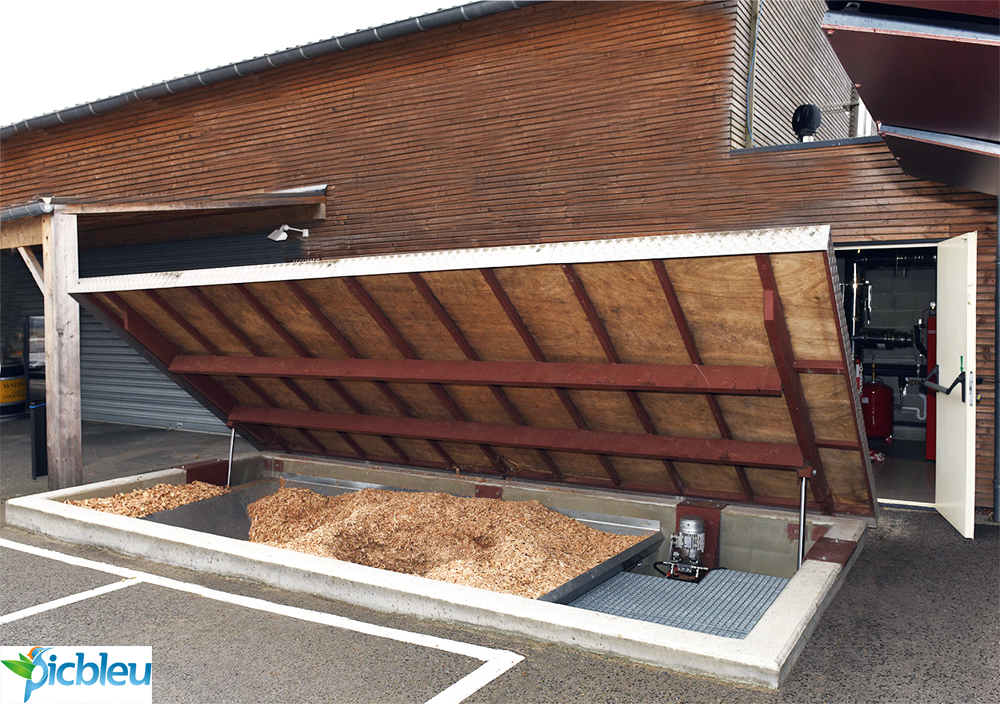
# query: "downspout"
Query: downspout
996,374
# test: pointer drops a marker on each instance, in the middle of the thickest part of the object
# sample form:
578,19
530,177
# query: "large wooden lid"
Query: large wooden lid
705,366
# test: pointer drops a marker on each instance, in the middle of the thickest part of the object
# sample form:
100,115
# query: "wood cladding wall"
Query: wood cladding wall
560,121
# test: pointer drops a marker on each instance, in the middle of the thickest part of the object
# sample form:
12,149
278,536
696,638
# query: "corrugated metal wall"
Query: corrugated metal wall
793,64
19,296
116,383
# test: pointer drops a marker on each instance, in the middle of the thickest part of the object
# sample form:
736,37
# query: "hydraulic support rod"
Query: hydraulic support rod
804,475
232,444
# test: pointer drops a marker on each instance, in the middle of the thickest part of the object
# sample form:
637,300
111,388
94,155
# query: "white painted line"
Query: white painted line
67,600
495,662
476,680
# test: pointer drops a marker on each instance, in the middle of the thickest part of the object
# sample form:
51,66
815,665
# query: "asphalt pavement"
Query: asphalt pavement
918,619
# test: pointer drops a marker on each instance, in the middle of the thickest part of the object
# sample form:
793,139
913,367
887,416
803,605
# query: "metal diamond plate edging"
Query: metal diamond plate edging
715,244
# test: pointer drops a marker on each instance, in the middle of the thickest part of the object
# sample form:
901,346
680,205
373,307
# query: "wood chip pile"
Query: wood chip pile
161,497
517,547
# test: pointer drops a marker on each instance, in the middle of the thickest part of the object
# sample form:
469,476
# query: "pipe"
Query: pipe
802,523
996,373
232,444
282,58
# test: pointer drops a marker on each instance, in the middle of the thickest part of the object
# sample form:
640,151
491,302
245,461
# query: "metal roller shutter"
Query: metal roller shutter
117,385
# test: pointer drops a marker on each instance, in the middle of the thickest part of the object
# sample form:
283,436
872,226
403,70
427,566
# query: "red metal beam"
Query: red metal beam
252,348
470,353
755,381
784,360
708,450
297,347
134,325
382,320
515,318
597,325
207,344
345,345
692,349
839,444
824,366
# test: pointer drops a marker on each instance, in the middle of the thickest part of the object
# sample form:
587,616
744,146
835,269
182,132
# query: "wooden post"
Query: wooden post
62,351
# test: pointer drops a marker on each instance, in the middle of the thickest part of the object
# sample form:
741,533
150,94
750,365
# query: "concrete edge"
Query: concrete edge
760,659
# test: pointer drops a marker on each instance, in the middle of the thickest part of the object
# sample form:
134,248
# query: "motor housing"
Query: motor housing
687,548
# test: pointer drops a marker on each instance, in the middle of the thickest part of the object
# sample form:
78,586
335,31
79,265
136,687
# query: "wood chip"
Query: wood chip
161,497
516,547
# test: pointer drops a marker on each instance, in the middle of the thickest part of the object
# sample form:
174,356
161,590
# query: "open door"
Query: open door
954,495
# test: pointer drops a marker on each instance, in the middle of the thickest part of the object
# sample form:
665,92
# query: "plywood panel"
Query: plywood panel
294,317
477,313
166,326
830,407
350,318
545,301
412,316
578,465
202,320
646,472
633,308
722,299
685,415
805,296
709,477
607,410
773,483
847,484
757,419
241,314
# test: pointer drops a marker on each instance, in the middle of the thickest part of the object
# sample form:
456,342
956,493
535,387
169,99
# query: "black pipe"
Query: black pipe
996,373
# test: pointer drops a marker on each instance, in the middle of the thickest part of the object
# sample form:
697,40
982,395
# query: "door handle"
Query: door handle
959,380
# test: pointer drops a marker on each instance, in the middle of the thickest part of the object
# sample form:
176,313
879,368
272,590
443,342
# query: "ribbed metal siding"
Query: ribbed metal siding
116,383
19,297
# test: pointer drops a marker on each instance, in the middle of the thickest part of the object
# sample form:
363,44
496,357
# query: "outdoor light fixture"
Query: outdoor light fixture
281,233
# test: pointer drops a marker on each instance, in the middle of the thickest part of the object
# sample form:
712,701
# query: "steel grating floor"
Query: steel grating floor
725,603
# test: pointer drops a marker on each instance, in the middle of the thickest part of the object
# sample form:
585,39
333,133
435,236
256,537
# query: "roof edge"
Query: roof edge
285,57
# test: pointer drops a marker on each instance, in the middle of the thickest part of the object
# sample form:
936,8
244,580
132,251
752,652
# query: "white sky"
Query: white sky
61,53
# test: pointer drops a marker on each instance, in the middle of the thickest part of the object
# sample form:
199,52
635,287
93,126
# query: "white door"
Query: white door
954,494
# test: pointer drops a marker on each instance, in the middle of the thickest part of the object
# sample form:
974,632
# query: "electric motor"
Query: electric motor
687,547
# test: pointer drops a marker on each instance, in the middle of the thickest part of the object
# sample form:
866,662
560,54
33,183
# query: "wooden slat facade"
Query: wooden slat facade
560,121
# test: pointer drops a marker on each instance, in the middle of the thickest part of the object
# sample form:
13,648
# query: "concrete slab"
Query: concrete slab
763,657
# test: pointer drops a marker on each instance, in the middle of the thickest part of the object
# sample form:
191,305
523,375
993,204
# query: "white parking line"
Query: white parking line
495,662
66,600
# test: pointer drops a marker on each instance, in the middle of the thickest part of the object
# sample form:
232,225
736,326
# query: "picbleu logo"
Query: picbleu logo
108,675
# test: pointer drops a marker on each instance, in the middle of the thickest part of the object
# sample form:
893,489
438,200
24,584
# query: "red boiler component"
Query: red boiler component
876,407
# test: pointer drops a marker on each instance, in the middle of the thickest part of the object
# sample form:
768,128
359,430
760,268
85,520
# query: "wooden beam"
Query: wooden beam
33,266
782,456
744,381
62,350
184,227
23,232
784,360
